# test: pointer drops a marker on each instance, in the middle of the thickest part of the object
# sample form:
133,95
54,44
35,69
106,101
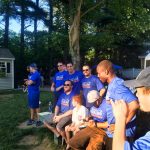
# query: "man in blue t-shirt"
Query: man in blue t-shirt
63,111
92,137
58,81
116,91
33,84
142,86
90,82
75,77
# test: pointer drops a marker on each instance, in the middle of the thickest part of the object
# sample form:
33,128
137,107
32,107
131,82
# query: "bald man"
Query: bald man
116,91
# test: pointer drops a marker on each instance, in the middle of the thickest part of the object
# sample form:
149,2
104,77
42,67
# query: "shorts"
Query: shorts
62,123
33,100
89,139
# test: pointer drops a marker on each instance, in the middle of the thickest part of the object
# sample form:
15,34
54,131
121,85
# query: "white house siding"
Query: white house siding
130,73
6,82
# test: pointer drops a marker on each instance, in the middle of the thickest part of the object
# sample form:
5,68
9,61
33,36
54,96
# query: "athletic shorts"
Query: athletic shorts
33,100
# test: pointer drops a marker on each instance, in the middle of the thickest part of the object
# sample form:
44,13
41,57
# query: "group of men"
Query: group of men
68,83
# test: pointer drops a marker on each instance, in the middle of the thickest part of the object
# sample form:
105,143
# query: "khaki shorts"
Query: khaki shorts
89,139
62,123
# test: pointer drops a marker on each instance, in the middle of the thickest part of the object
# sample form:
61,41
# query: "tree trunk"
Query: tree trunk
35,30
6,34
74,34
50,29
22,38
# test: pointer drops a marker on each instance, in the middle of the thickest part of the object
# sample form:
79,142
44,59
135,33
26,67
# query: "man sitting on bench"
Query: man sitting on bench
63,111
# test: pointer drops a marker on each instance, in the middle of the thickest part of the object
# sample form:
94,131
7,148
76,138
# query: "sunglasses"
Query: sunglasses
85,70
59,65
69,66
67,85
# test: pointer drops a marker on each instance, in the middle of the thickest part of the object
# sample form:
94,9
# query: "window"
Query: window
8,67
2,69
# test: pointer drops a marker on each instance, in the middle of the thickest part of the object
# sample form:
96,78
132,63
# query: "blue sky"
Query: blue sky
15,25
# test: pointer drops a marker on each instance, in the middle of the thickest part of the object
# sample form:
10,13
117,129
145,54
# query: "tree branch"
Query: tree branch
90,9
66,20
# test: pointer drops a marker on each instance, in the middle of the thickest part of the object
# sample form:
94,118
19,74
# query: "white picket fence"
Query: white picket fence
130,73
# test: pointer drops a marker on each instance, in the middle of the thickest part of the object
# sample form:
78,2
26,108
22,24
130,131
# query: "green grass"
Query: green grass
13,111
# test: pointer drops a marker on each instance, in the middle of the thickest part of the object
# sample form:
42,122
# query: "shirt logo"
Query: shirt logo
97,113
75,79
59,77
65,102
86,85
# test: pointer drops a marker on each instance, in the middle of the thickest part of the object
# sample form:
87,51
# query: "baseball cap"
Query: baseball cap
92,96
143,79
33,65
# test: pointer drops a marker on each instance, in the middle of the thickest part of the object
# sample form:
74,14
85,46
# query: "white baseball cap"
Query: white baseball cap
93,96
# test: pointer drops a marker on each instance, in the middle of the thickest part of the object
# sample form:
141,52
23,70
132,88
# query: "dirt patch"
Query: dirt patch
6,97
45,145
29,140
23,125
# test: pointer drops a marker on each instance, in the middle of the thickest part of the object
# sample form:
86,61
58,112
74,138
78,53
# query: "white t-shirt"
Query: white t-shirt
79,114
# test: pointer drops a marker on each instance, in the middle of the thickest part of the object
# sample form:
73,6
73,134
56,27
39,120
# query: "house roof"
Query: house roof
5,53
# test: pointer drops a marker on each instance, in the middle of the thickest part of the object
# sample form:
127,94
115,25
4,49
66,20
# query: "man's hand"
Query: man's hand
91,123
56,118
111,128
120,109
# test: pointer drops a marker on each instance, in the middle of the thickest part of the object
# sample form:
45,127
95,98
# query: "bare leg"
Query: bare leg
51,128
37,110
32,114
62,133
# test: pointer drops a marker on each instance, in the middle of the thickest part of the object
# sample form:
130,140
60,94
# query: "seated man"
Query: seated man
142,85
63,111
92,137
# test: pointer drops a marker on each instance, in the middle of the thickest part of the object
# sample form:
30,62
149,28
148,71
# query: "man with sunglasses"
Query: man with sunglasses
116,91
75,76
63,111
58,81
90,82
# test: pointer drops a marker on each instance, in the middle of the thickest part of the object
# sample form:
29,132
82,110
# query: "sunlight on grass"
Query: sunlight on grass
13,106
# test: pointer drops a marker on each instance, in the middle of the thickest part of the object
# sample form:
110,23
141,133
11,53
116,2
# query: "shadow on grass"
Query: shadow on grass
14,111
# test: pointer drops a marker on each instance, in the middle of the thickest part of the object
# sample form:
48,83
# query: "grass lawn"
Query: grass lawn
14,111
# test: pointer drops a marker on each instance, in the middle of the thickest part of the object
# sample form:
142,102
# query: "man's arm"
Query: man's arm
56,111
29,82
132,108
58,117
52,87
68,113
59,88
103,125
120,124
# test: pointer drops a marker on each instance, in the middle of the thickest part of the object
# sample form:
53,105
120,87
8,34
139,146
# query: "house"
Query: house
6,69
145,59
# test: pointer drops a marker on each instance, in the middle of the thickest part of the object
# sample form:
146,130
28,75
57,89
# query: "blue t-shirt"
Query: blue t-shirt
88,84
143,143
76,78
99,114
65,102
59,80
117,91
35,77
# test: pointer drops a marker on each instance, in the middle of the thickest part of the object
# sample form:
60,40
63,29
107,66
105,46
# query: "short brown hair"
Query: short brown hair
146,90
107,64
78,99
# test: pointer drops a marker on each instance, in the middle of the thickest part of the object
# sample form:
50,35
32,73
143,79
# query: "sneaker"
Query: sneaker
30,122
39,123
